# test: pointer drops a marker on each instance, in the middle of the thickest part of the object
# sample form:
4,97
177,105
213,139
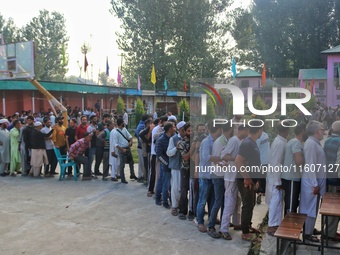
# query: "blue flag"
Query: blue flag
233,67
165,84
107,66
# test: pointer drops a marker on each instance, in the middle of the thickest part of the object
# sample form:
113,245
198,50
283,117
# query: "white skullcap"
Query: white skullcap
4,121
336,126
172,117
180,124
37,124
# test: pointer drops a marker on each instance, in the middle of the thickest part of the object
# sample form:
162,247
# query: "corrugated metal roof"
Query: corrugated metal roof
248,73
333,50
53,86
309,74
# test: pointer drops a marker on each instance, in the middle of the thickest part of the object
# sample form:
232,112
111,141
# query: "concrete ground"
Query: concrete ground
47,216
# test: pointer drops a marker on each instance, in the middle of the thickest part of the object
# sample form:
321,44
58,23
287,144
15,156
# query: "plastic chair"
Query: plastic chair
64,165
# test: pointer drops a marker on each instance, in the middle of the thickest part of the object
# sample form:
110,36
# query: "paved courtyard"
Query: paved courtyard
47,216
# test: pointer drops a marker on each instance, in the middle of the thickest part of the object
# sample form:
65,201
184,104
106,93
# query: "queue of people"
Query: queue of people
180,165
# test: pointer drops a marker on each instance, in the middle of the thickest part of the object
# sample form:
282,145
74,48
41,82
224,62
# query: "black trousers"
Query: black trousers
292,194
152,173
146,161
183,199
248,196
99,158
122,166
52,162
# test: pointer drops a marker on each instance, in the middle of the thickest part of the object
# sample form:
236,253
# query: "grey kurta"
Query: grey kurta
314,155
5,151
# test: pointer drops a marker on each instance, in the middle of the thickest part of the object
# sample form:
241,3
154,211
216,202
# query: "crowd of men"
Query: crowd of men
188,169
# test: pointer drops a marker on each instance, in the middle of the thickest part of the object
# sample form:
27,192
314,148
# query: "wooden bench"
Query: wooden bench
290,229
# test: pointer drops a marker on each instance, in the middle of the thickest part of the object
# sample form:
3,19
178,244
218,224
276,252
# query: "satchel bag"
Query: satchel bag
127,156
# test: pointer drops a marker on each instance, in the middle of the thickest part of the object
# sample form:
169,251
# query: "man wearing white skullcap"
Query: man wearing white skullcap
175,160
38,146
5,153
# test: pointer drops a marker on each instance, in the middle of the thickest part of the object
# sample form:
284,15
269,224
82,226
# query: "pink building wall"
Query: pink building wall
332,93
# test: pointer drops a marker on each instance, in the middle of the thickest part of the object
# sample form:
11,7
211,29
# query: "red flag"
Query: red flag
264,75
85,64
185,87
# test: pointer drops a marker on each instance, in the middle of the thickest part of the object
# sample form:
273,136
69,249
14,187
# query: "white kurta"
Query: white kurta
314,155
112,160
274,195
5,151
231,200
218,146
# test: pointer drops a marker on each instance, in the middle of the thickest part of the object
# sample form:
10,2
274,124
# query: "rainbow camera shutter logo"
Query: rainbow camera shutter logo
206,87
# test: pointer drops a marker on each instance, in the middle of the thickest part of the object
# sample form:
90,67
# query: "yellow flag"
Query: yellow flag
153,75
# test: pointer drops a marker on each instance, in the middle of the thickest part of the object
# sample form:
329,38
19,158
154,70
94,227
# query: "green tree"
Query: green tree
260,104
211,114
230,109
139,110
184,108
120,105
287,35
106,80
9,31
48,31
179,37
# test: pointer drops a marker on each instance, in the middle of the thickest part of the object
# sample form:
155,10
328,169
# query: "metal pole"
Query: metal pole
82,103
33,105
4,102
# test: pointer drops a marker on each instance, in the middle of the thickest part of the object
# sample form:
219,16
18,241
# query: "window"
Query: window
336,69
321,86
244,83
338,97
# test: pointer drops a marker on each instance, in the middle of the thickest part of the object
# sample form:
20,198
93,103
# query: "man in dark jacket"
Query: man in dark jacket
39,156
164,177
26,141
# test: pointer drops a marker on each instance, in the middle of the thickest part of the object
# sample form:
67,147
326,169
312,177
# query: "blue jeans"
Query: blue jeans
218,186
163,184
92,152
206,191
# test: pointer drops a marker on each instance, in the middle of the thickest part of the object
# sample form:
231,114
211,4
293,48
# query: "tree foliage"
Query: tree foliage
9,31
184,39
184,108
287,35
211,114
48,31
106,80
140,107
120,105
139,110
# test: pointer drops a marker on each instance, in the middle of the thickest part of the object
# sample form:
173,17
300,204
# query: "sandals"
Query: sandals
254,231
212,232
249,237
202,228
225,236
312,238
174,212
150,194
182,216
